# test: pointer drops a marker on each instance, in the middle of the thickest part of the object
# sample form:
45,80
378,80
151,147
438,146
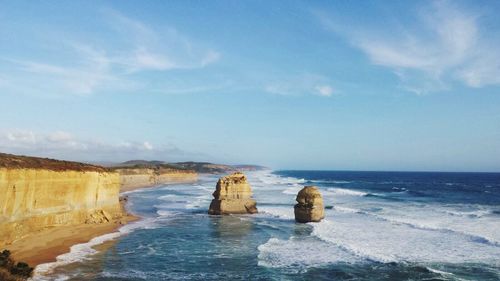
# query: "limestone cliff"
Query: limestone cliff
132,178
310,205
37,193
233,196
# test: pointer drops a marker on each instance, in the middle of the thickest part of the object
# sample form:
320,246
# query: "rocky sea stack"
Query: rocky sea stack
310,205
233,196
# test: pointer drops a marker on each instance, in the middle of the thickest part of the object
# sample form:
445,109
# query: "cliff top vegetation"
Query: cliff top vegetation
26,162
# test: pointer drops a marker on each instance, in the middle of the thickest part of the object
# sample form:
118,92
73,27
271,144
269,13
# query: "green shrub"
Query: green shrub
19,271
22,269
5,260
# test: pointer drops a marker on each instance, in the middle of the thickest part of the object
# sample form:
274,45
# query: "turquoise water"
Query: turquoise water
381,226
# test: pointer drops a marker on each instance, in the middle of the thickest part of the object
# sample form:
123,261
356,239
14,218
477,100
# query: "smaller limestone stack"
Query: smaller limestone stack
233,196
310,205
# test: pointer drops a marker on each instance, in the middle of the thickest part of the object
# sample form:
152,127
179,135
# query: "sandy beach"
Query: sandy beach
45,245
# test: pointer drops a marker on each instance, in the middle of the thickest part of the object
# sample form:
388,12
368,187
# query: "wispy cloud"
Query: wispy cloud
447,44
324,90
89,72
92,67
160,48
304,84
64,145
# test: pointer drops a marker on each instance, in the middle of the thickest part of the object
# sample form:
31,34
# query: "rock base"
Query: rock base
232,206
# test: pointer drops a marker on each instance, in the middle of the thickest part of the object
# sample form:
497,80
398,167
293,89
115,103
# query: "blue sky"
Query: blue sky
371,85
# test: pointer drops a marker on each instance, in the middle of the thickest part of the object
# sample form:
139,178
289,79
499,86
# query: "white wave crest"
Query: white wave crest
345,192
346,210
476,233
166,213
168,197
279,212
478,213
293,190
80,252
298,254
383,241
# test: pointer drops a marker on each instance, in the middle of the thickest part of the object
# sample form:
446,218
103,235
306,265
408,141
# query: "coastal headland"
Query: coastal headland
48,205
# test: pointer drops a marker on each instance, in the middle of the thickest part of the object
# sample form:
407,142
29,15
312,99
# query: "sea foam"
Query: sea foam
298,254
382,241
345,192
83,251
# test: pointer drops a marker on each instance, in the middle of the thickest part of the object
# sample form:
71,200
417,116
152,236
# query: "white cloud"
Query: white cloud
139,146
147,145
21,137
324,90
210,57
64,145
87,68
160,48
35,67
144,59
303,84
447,45
59,136
91,71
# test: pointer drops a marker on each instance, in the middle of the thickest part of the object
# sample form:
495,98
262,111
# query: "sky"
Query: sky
332,85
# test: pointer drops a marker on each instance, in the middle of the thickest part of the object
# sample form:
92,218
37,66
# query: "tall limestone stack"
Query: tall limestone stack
310,205
233,196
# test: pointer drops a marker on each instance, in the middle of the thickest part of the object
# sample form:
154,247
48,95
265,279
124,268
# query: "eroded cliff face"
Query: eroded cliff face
309,207
34,199
132,178
233,195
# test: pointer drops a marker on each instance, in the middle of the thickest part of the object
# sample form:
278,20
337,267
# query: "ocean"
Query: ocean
378,226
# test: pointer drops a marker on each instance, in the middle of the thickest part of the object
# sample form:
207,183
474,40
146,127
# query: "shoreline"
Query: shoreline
44,247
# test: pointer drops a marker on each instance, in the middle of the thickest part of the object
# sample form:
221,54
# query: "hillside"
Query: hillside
26,162
205,167
145,164
198,167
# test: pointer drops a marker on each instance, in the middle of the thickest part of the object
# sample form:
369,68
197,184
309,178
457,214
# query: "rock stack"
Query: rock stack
233,196
310,205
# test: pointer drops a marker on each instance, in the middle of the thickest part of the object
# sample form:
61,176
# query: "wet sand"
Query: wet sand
44,246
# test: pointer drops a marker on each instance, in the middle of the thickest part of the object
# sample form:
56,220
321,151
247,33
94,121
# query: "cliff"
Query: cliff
37,193
132,178
233,196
